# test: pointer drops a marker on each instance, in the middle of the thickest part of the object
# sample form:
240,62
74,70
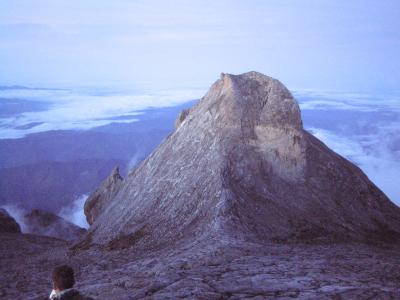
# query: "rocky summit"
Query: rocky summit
239,202
240,166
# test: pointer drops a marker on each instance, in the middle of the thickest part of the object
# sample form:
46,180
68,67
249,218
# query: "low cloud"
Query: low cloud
364,128
74,213
83,109
372,153
323,100
136,158
18,214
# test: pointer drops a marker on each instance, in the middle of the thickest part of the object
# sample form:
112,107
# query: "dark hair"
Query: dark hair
63,277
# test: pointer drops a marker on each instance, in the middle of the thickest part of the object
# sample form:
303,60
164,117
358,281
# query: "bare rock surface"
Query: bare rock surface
240,202
212,270
48,224
26,262
240,166
97,202
8,223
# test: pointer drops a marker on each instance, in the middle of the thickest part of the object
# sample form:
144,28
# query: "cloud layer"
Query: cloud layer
81,109
363,128
75,212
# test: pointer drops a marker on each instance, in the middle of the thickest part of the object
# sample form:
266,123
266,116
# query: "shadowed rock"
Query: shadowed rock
183,114
44,223
96,203
8,223
240,166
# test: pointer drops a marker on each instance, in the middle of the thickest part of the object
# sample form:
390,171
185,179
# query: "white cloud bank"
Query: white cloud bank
77,110
73,213
364,128
360,102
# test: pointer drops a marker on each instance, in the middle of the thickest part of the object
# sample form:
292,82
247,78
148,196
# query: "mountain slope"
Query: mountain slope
240,166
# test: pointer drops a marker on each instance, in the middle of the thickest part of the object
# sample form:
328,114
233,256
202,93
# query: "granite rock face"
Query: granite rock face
240,166
238,203
8,223
183,114
97,202
44,223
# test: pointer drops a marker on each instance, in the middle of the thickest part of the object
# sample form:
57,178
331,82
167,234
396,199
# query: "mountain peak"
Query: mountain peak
251,99
240,166
255,100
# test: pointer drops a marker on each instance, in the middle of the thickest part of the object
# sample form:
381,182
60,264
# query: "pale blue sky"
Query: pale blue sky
339,45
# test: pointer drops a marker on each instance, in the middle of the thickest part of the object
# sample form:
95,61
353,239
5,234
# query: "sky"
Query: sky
336,45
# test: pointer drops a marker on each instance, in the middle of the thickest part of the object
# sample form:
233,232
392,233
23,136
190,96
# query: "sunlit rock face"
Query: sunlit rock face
240,166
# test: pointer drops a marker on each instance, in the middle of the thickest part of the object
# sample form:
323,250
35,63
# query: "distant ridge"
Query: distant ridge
22,87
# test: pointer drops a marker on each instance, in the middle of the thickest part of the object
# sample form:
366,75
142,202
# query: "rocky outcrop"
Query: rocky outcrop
97,202
240,166
8,223
44,223
182,115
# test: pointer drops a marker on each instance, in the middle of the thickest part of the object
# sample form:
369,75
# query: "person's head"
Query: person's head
63,278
